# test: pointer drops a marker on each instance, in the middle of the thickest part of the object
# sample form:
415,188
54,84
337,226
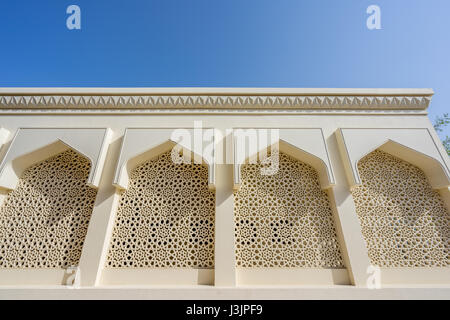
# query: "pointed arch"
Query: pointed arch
415,146
307,145
52,206
432,168
284,225
403,220
32,145
142,144
176,200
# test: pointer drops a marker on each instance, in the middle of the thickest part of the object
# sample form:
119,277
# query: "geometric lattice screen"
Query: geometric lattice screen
284,220
165,218
404,221
44,220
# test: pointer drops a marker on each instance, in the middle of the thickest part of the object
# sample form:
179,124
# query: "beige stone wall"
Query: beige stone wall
44,220
299,228
404,221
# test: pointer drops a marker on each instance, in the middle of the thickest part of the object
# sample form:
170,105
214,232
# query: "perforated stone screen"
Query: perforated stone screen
43,222
165,218
404,221
285,219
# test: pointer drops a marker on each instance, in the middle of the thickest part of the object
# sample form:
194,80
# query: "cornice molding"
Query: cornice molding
283,99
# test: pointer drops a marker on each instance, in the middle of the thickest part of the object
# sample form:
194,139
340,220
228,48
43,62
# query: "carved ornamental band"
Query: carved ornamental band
213,102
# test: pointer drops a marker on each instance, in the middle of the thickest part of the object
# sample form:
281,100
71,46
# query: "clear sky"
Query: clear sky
228,43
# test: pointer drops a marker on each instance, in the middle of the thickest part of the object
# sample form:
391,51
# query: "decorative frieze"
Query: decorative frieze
290,102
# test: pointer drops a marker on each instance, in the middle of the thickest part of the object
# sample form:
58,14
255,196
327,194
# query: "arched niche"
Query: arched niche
415,146
32,145
139,147
142,144
403,220
307,145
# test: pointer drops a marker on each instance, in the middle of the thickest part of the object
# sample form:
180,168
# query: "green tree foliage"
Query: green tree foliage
439,124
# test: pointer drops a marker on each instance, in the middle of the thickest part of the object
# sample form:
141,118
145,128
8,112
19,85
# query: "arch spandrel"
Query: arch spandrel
32,145
142,144
415,146
307,145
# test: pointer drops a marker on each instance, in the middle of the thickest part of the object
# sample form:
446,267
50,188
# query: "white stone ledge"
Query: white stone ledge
242,293
33,276
415,276
291,276
157,276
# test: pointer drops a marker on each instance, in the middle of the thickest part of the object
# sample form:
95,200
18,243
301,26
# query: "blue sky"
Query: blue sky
228,43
